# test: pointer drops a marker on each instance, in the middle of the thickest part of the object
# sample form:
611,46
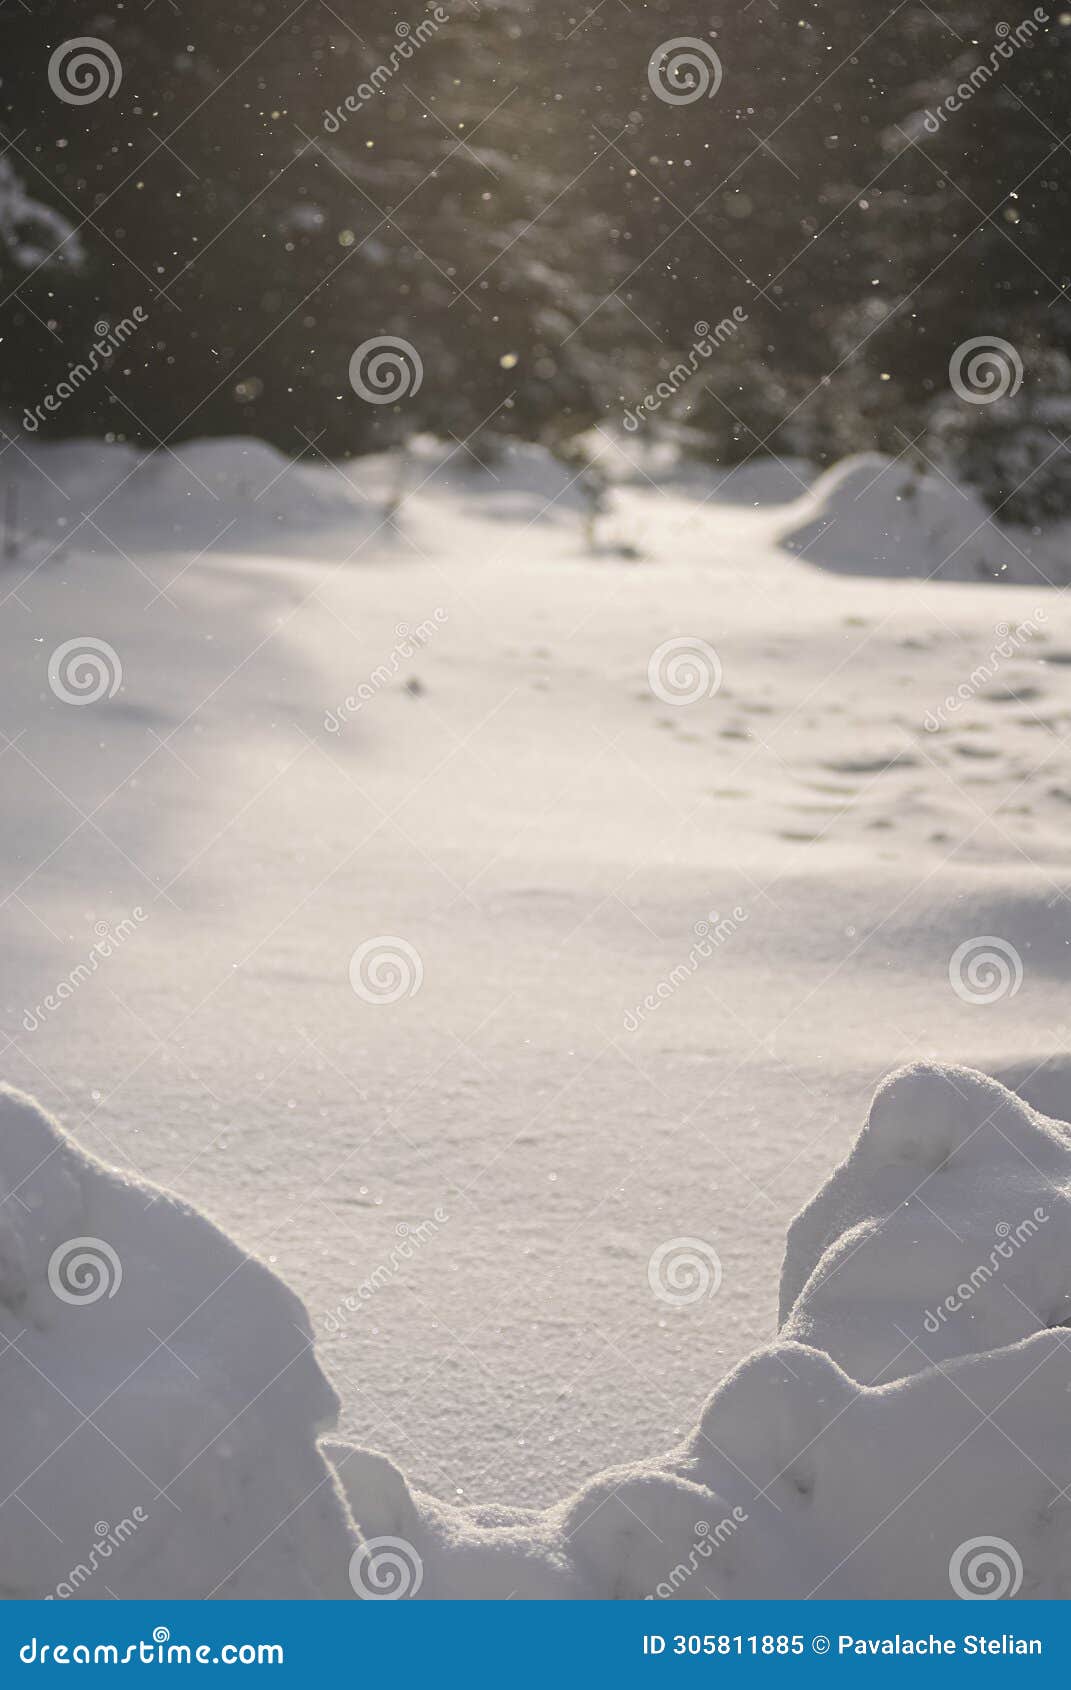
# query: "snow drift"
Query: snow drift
905,1437
874,515
161,1395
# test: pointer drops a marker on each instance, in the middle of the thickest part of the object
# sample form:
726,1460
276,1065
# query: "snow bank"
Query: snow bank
873,515
235,493
797,1483
906,1448
161,1395
241,495
905,1437
945,1233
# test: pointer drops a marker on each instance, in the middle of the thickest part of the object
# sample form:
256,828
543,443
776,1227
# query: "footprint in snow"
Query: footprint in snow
871,765
836,789
970,750
1022,694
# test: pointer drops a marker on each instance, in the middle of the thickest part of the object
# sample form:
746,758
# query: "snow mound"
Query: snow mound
236,493
239,471
798,1482
946,1232
873,515
905,1437
889,1455
162,1398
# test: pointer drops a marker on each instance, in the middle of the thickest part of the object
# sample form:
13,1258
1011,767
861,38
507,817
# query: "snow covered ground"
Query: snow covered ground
442,730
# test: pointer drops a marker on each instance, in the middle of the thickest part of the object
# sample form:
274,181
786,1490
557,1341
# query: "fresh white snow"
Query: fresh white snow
161,1392
874,515
465,1186
904,1437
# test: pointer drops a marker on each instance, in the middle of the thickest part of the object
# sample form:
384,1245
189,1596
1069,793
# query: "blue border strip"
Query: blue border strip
538,1644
